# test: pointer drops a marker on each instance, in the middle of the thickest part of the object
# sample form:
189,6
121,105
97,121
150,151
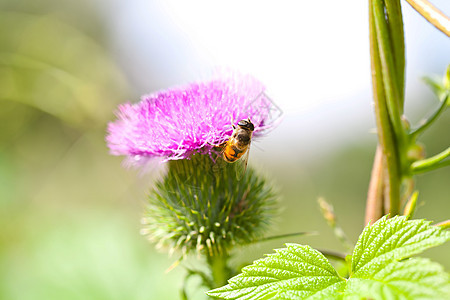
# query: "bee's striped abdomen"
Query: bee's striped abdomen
231,153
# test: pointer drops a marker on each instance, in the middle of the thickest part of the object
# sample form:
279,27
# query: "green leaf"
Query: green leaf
300,272
393,239
415,278
295,272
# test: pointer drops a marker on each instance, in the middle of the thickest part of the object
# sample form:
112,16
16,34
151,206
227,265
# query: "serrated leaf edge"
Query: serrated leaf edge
382,225
234,289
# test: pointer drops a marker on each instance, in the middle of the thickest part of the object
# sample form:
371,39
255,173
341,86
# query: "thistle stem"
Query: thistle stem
219,268
432,15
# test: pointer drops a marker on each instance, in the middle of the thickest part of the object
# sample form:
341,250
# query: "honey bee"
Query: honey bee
237,147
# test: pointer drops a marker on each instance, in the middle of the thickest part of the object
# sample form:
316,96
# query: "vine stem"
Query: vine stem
432,15
374,205
427,122
388,50
387,65
395,26
431,163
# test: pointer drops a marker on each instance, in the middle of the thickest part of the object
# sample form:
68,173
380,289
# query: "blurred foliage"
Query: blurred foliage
87,257
60,193
69,213
52,67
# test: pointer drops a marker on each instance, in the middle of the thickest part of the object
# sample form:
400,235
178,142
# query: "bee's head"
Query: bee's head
247,124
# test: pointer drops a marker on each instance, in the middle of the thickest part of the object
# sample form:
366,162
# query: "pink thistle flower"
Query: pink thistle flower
181,121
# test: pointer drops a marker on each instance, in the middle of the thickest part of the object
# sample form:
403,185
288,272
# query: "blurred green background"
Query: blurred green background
69,211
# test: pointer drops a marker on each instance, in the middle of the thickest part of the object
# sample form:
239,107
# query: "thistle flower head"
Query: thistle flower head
182,121
197,206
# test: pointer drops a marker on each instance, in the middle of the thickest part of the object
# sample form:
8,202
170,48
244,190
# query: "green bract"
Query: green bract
378,268
200,205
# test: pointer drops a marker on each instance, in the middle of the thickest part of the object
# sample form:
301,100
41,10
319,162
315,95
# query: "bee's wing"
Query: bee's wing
241,164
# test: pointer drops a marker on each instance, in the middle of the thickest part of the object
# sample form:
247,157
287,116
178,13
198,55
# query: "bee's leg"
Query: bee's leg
218,145
220,152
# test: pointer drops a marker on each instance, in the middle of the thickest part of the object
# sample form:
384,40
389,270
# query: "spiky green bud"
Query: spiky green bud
199,207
